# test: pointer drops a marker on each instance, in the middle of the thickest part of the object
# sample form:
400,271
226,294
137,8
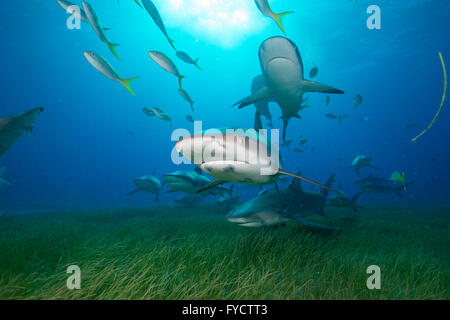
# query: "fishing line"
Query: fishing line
442,102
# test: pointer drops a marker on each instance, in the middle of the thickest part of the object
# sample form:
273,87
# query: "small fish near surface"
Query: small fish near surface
190,118
154,14
287,143
236,169
337,117
314,71
96,25
183,93
282,69
150,184
148,112
358,101
272,207
12,128
164,62
183,56
264,7
162,115
67,6
364,119
103,66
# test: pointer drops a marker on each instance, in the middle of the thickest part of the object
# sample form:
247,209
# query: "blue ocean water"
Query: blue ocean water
81,154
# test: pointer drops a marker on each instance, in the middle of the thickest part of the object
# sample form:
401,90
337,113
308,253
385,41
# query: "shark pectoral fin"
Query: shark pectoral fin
311,86
210,185
263,93
313,224
133,192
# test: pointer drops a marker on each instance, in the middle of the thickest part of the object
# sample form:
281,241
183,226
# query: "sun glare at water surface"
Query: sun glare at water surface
222,22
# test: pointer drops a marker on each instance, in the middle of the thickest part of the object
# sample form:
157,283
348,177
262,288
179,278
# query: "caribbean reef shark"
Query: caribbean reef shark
282,68
272,207
13,127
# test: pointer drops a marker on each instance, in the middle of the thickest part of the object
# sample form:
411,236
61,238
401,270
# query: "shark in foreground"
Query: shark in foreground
235,157
150,184
12,128
282,68
272,208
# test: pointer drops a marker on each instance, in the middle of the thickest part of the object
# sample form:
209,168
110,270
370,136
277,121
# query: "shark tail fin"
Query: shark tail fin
126,83
312,86
112,48
308,180
279,17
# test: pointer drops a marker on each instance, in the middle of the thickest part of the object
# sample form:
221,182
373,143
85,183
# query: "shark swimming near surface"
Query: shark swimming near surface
282,68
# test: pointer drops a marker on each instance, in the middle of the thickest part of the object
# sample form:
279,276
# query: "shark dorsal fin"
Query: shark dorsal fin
296,184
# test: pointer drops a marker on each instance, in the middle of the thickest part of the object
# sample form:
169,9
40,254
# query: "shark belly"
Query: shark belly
261,219
239,172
